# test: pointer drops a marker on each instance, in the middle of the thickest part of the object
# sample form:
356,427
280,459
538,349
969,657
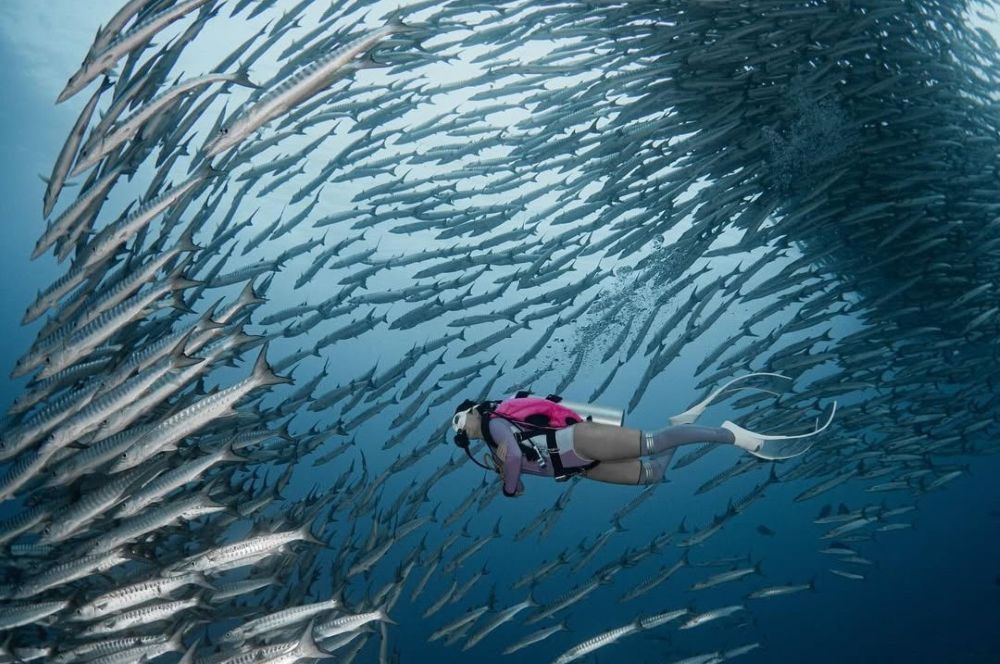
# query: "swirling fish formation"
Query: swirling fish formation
801,188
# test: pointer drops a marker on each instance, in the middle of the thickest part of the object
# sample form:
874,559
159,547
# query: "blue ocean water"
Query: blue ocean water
932,595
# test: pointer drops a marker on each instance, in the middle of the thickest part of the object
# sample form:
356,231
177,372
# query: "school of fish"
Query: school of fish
564,196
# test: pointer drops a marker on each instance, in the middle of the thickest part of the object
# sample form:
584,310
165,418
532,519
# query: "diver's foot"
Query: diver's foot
776,447
743,438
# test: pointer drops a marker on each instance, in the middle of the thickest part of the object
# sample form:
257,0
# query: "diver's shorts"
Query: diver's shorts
564,442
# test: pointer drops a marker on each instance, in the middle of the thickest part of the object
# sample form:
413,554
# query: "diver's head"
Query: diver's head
466,423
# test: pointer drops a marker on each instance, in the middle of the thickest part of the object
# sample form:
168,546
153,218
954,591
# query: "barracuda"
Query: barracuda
171,480
68,521
139,617
726,577
107,32
198,415
61,167
296,89
225,591
101,61
535,637
599,641
134,594
59,229
128,530
239,552
708,616
646,586
19,438
14,616
504,616
146,652
106,647
90,336
64,573
43,389
98,147
110,237
278,620
99,414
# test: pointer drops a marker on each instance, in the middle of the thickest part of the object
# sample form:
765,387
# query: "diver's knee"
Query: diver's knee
644,471
651,472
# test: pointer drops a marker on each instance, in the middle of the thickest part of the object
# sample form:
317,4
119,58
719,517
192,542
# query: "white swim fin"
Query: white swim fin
775,447
692,413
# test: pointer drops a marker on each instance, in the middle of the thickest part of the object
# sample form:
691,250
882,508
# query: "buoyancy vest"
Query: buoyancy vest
534,416
538,411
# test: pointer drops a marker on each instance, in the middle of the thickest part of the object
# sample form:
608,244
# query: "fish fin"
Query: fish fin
179,282
177,302
189,654
186,241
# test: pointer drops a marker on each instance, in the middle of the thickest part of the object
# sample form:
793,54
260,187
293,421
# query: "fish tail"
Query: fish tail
177,302
179,282
263,374
186,241
242,77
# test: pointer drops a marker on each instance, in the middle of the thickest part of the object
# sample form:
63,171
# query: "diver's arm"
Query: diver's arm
510,459
511,469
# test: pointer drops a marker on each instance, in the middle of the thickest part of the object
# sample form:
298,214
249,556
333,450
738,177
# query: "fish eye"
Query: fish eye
224,131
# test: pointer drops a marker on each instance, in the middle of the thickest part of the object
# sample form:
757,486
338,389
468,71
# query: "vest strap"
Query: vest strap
526,430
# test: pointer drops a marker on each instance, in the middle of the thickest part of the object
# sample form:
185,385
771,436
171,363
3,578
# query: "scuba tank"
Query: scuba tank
595,413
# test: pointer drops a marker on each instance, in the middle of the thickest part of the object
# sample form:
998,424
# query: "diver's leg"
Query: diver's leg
606,442
631,471
616,472
657,442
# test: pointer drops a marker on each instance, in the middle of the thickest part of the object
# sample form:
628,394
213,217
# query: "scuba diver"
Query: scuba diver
555,438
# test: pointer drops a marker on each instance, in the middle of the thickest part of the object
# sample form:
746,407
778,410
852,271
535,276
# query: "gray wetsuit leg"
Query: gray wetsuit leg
660,441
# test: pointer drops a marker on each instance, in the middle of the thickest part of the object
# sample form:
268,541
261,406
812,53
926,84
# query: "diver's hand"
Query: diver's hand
517,492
